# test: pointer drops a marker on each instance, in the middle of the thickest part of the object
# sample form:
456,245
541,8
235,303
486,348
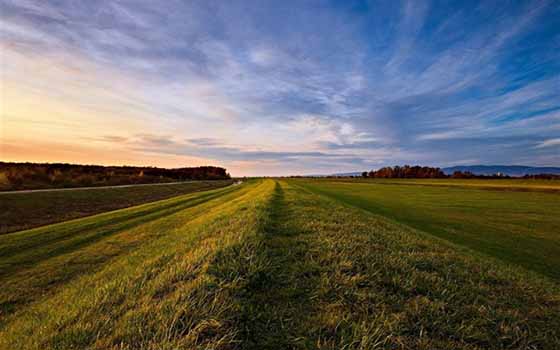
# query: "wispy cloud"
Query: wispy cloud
298,86
550,143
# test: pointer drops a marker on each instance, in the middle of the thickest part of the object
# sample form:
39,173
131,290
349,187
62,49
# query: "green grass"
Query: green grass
20,211
265,265
519,227
492,184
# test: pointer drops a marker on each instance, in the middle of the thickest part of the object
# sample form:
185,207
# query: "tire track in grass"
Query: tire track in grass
275,296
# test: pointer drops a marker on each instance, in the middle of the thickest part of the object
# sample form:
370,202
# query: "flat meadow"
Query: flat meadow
292,264
517,221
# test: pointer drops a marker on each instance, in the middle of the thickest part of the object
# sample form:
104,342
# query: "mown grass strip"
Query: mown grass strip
43,241
273,282
22,211
35,271
160,296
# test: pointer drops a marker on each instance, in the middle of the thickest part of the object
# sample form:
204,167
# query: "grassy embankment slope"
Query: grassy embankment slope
263,265
517,221
20,211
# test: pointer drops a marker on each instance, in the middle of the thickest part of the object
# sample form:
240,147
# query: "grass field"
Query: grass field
524,185
19,211
265,265
516,222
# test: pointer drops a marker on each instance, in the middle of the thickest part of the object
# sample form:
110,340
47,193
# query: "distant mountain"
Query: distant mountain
337,174
348,174
511,170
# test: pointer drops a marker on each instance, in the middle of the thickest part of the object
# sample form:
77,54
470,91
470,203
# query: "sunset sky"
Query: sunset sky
280,87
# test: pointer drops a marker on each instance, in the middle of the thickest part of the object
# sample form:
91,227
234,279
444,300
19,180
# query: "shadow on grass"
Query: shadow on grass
273,282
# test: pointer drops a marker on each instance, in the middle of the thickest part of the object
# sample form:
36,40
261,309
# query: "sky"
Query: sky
280,87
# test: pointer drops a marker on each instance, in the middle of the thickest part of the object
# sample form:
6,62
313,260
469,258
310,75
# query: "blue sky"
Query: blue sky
281,87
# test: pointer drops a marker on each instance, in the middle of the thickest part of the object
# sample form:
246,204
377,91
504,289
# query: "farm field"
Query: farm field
19,211
516,222
490,184
271,264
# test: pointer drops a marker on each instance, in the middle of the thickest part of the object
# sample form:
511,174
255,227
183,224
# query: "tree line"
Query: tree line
424,172
17,176
403,172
